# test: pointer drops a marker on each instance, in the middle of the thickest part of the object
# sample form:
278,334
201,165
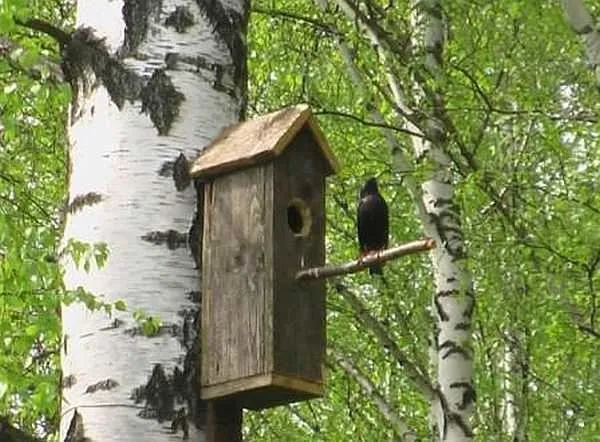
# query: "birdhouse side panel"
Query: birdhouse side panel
299,235
237,276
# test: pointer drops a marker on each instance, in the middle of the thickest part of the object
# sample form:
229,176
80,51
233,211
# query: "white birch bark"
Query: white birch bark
514,385
453,301
117,154
582,23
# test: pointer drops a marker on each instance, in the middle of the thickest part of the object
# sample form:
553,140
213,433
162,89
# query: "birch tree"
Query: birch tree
456,109
517,127
151,81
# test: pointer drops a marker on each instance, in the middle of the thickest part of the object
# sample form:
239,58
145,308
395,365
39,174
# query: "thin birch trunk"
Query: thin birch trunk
582,23
453,301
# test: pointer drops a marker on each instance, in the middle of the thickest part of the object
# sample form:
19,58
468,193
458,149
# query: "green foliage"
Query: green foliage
149,324
524,149
85,255
32,188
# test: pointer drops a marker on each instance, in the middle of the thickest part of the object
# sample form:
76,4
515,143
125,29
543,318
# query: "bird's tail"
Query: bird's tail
376,269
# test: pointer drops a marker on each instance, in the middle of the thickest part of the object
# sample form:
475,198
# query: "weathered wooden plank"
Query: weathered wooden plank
234,278
299,308
265,388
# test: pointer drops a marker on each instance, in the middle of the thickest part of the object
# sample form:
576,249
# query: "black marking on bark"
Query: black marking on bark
220,71
230,26
191,365
199,62
107,384
587,29
181,173
116,323
451,280
68,381
172,238
469,396
180,19
188,333
451,348
161,101
451,416
81,201
440,310
86,51
457,418
76,432
197,227
166,169
444,405
448,227
463,326
164,392
195,296
446,293
82,51
180,421
158,395
137,14
439,202
171,60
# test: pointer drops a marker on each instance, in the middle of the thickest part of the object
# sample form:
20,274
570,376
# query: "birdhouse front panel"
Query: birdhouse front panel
299,236
237,276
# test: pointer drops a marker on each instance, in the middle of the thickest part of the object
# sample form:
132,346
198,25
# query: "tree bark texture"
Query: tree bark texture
185,80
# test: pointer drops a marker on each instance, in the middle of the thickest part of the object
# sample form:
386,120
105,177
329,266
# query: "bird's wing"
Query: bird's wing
385,222
372,223
362,224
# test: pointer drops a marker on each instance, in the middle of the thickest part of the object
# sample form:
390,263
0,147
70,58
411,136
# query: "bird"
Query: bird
373,222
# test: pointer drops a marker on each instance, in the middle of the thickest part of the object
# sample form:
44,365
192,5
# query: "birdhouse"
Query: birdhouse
263,332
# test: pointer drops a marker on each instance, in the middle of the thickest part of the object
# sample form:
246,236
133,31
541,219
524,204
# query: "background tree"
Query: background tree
515,105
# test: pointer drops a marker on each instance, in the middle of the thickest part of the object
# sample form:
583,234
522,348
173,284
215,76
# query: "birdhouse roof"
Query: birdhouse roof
259,140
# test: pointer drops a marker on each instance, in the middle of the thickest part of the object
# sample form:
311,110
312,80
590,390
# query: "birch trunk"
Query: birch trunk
116,158
580,19
454,300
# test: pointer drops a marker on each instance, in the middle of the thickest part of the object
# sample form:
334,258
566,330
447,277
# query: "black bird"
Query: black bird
373,222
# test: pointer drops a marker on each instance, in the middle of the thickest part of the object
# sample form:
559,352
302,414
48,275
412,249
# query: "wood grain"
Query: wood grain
256,141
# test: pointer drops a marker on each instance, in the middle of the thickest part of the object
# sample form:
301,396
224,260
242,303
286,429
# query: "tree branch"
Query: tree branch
399,426
276,13
45,67
369,123
362,263
62,37
415,373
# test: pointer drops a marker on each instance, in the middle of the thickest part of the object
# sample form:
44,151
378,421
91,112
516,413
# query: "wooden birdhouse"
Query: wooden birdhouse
263,332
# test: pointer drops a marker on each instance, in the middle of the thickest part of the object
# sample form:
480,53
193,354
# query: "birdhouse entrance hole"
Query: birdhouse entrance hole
298,217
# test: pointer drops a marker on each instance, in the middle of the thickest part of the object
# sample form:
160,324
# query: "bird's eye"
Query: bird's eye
299,217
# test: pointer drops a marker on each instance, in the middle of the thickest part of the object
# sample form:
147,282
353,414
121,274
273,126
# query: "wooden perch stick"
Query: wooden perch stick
359,264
